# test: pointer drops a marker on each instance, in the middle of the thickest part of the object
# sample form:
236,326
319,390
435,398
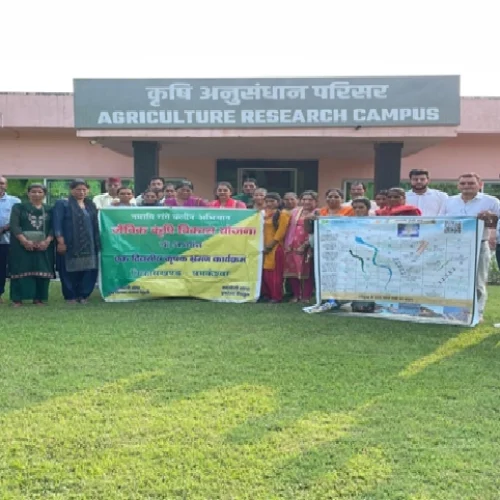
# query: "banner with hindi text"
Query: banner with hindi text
158,252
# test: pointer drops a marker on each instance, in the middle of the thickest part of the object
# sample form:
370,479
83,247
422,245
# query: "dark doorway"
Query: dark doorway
280,176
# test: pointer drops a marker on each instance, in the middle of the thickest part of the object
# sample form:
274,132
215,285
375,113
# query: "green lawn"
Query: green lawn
194,400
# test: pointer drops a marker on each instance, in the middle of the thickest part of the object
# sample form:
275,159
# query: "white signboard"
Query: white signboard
419,269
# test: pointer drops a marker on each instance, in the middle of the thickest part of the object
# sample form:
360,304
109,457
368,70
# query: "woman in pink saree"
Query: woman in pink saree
298,252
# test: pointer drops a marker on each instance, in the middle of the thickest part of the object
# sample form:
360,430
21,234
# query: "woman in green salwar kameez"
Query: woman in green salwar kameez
31,254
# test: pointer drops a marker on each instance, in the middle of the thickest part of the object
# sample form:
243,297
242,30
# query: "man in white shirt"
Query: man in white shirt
430,201
486,208
111,196
6,204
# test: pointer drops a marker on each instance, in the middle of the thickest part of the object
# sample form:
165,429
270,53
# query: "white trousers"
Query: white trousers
482,276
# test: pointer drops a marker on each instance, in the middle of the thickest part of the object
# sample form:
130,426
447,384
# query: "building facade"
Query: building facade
39,141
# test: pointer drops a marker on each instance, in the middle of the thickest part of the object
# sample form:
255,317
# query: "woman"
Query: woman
31,253
381,198
149,199
290,202
396,205
259,199
184,196
77,234
223,199
334,200
167,193
298,252
275,226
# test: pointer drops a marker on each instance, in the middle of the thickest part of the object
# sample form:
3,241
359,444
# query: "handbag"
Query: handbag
36,236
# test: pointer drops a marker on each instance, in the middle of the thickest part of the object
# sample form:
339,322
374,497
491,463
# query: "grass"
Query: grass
194,400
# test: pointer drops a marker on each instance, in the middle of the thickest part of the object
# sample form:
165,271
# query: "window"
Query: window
56,188
19,187
492,188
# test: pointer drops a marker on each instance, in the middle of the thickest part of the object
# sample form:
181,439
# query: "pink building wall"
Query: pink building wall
478,153
61,154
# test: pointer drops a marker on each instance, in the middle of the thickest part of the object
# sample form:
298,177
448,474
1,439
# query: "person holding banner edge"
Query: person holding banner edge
472,202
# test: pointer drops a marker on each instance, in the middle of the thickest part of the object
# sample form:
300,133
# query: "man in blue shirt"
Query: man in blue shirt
6,204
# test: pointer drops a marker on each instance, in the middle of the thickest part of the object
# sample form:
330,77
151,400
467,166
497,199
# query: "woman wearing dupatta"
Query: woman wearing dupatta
298,252
31,253
184,196
275,227
77,234
334,200
396,205
223,197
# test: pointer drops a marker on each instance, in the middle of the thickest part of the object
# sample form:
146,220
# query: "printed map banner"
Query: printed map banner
415,269
171,252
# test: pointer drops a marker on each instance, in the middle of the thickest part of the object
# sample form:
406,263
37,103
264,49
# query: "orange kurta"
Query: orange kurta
342,211
272,234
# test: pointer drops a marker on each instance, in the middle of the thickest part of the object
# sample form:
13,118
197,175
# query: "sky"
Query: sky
44,45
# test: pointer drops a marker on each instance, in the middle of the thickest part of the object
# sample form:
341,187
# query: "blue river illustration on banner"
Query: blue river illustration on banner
414,269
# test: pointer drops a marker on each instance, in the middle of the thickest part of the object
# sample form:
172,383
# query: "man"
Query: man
156,184
358,190
486,208
249,186
125,197
430,201
6,204
110,197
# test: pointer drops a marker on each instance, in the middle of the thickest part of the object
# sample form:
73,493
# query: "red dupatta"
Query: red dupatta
401,210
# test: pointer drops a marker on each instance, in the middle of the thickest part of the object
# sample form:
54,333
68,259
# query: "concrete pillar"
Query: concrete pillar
387,165
146,163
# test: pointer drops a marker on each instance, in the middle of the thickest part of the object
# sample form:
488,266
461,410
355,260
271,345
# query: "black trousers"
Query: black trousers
498,256
4,254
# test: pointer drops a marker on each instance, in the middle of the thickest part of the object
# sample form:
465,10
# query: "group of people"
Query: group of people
36,239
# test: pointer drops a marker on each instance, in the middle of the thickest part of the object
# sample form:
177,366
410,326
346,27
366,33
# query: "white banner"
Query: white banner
419,269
